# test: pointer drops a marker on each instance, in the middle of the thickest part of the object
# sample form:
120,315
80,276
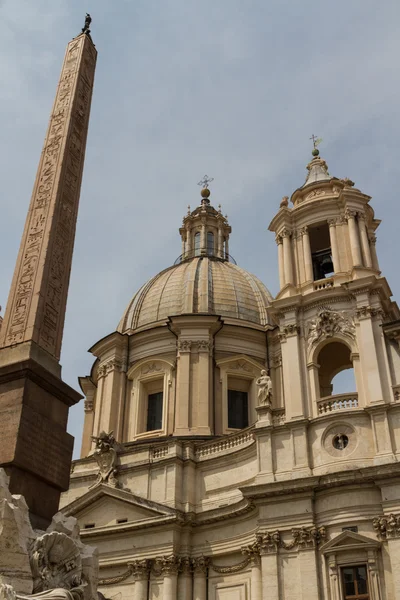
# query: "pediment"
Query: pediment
241,362
104,506
349,540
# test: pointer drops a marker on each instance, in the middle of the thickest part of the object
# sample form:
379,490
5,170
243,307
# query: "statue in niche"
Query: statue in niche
264,384
105,455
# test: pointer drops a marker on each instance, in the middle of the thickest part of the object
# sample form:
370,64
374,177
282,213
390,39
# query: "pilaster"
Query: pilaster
200,567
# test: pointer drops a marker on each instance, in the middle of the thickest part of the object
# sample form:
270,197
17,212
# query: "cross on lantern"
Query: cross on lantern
315,140
205,181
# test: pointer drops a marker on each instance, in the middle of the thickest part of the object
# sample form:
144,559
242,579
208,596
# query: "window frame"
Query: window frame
356,596
244,412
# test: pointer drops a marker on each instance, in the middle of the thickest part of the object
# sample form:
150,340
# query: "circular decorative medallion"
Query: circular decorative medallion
339,440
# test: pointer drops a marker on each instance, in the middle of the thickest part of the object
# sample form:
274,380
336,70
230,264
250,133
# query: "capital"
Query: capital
286,233
140,568
350,214
168,565
184,345
200,565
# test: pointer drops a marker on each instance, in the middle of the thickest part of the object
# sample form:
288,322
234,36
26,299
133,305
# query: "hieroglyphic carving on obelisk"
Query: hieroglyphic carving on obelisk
37,300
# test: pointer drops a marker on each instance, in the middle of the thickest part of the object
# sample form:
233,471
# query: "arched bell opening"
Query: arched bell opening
336,379
335,369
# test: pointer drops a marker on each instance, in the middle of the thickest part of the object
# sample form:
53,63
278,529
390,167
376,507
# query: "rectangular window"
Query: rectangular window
238,409
154,411
355,583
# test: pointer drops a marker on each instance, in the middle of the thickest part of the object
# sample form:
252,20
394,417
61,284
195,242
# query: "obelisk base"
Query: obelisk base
35,448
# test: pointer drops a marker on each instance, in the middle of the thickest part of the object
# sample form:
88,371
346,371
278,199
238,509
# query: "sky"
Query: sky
230,88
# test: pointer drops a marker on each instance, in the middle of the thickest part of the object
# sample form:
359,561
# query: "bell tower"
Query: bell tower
333,307
328,237
35,449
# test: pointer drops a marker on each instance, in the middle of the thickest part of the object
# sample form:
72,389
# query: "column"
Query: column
200,567
270,576
353,234
185,585
220,251
227,249
300,256
256,585
170,571
89,389
287,256
291,362
313,379
279,242
183,388
141,570
188,242
307,255
364,241
203,421
372,382
183,248
334,245
374,256
203,241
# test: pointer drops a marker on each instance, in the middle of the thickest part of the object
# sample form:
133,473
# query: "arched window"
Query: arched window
210,243
197,244
336,374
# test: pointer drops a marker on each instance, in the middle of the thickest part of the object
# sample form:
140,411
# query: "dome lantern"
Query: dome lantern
205,231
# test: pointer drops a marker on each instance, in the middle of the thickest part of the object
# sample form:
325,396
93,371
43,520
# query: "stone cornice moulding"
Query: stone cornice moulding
115,340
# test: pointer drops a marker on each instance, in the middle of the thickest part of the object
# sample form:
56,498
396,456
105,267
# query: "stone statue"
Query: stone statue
264,384
86,27
106,457
51,565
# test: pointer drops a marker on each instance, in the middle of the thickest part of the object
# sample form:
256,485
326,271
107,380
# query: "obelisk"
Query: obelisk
35,448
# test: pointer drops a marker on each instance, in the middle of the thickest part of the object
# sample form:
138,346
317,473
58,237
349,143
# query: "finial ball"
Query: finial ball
315,152
205,193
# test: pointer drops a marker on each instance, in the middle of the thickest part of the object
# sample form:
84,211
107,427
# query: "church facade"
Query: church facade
217,460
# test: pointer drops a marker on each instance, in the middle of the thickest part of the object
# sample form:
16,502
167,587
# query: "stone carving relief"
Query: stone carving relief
110,365
167,565
196,345
315,194
264,385
65,141
387,527
106,457
56,562
184,345
60,566
329,323
366,312
288,331
242,365
151,368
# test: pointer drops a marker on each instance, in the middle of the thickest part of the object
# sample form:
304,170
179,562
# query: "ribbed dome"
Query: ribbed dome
201,285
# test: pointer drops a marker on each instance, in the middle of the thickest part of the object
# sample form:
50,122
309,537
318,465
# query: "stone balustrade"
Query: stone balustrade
323,284
231,442
337,402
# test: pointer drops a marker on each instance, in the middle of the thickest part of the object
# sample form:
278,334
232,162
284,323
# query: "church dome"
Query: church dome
200,285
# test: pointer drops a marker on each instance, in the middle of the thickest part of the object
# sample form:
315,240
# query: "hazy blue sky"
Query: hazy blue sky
232,88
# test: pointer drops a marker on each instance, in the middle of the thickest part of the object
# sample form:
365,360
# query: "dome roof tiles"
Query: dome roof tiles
201,285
